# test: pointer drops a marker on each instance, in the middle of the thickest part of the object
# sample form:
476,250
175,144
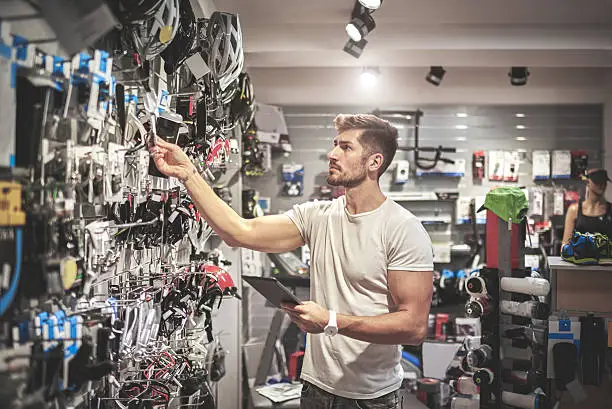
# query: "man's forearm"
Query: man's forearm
218,214
398,328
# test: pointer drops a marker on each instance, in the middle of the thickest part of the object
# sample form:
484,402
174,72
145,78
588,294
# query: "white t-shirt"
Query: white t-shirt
349,259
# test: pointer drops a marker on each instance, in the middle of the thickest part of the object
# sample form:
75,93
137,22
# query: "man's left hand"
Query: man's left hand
309,316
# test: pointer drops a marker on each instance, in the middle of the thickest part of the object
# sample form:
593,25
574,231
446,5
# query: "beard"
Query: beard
347,181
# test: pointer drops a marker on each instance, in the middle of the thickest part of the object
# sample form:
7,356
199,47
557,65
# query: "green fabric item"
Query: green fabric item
509,203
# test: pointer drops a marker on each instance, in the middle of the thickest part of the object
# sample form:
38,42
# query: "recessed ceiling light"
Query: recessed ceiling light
520,127
461,115
519,115
461,126
461,138
521,138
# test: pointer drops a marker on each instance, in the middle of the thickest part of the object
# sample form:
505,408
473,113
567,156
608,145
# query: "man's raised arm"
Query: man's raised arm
271,234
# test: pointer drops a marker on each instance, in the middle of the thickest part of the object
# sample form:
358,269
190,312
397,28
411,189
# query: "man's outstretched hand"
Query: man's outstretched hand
309,316
171,160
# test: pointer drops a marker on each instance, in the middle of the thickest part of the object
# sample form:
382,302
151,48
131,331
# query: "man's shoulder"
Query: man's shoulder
321,204
396,213
318,207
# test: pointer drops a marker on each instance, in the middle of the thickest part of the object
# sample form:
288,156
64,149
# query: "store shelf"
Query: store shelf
422,196
428,220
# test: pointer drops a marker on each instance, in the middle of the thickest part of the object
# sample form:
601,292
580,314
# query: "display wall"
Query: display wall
570,127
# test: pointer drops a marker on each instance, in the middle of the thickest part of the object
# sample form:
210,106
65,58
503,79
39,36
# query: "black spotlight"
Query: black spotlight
355,48
435,75
361,23
518,76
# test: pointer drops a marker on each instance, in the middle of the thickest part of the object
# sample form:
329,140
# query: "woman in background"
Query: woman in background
594,213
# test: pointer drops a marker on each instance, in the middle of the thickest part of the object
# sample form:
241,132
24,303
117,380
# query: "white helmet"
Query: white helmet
224,54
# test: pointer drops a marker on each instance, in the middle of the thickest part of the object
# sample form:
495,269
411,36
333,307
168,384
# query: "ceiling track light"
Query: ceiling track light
518,76
435,75
371,4
361,23
355,48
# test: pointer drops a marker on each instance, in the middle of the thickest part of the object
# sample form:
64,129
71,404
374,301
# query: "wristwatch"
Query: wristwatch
331,328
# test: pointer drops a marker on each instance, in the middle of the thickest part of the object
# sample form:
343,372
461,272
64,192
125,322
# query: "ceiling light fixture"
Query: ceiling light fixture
369,76
520,127
518,76
361,23
461,115
355,48
521,138
435,75
461,126
519,115
371,4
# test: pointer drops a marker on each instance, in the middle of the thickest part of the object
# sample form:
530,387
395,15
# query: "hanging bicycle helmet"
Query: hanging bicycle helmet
223,53
243,105
230,91
156,31
131,11
185,42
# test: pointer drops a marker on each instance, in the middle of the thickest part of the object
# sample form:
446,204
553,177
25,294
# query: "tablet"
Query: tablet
272,290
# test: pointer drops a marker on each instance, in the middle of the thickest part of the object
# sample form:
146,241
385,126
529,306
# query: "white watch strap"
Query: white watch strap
332,319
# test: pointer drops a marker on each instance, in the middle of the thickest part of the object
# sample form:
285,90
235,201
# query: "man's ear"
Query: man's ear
376,161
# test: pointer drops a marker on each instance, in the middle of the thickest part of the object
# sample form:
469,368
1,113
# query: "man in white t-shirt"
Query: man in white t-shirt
371,266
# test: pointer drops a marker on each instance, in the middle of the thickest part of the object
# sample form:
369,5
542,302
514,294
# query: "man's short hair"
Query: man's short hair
377,136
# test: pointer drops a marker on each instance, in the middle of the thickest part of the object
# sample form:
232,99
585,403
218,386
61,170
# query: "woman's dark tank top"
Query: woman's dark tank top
594,224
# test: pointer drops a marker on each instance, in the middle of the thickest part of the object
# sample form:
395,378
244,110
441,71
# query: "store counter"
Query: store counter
582,289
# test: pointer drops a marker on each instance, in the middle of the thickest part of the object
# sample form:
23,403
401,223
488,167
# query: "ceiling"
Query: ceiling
420,33
293,51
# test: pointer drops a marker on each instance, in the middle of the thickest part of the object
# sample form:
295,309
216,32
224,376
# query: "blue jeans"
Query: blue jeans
314,397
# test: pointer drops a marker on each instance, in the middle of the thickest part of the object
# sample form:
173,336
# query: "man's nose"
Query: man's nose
332,154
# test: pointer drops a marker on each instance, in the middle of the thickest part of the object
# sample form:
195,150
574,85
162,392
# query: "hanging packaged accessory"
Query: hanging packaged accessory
293,179
478,165
541,165
580,163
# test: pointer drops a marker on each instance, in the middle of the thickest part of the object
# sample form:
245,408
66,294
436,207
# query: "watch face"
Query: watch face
331,330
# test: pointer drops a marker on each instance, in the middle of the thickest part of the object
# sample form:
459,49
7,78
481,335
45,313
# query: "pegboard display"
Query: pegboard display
112,280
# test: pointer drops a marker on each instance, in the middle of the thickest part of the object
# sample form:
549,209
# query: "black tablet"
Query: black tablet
272,290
